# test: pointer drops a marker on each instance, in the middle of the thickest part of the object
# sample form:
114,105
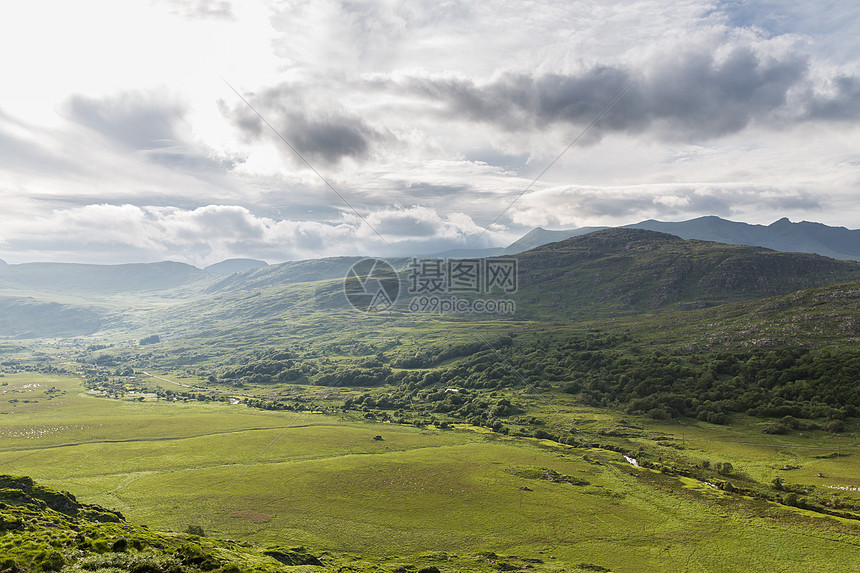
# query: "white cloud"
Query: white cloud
429,118
588,206
208,234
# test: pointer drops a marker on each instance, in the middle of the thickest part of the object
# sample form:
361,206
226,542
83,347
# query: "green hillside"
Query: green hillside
287,273
540,236
231,266
629,271
42,529
30,318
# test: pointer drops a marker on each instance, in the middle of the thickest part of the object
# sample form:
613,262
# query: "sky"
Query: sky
202,130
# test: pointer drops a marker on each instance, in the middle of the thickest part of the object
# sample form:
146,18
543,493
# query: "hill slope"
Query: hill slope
231,266
632,271
287,273
30,318
540,236
46,530
105,279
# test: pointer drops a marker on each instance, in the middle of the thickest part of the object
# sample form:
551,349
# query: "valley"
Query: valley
260,408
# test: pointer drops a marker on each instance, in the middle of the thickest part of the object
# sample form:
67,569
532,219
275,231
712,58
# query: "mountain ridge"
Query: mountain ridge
781,235
603,274
76,277
230,266
627,271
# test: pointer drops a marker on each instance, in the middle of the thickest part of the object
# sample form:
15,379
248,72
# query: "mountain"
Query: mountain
602,274
540,236
3,264
782,235
469,253
101,279
287,273
606,273
633,271
231,266
29,318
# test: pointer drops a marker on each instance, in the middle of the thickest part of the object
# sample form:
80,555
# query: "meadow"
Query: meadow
380,491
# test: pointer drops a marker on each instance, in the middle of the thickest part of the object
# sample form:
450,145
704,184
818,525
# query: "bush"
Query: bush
11,566
191,554
724,468
658,414
542,434
52,562
835,426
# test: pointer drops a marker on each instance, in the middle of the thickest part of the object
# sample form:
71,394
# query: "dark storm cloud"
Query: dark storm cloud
701,96
321,132
696,94
133,119
521,100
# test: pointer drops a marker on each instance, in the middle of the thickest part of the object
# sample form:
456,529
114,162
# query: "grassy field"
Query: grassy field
798,457
324,481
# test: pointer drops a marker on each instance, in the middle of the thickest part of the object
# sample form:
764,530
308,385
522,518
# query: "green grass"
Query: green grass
323,481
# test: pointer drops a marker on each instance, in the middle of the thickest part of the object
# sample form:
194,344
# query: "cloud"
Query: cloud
689,92
137,120
26,149
839,100
429,118
322,131
202,9
583,206
118,233
419,222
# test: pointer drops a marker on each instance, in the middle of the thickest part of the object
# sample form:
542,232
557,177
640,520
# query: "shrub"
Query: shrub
835,426
53,561
724,468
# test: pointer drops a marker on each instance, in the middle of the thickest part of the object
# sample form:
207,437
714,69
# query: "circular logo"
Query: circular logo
371,285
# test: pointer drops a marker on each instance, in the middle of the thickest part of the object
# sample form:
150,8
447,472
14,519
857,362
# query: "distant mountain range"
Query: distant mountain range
591,274
79,278
782,235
